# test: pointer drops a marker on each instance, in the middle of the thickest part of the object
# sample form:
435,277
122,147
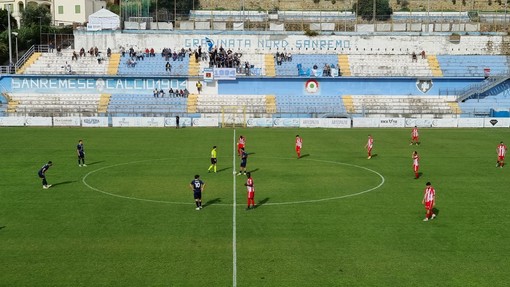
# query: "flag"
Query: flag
210,43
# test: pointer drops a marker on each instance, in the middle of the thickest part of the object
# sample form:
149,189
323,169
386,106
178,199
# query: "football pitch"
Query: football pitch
331,218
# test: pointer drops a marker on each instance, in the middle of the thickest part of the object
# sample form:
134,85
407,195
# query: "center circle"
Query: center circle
166,180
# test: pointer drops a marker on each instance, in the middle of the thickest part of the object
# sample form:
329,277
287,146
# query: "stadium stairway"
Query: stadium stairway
270,104
12,106
193,68
343,63
113,65
192,103
348,103
104,101
455,108
435,68
269,65
29,62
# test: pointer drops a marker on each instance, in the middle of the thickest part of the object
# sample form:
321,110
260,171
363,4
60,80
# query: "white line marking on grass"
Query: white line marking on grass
235,204
234,224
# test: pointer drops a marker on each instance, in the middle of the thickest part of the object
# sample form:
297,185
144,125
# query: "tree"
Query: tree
34,15
3,21
366,9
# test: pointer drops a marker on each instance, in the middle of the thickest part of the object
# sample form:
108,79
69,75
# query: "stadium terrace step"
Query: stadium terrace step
29,62
434,66
343,63
269,64
113,65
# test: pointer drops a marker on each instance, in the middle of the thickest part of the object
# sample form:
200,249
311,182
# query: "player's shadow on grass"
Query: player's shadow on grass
63,182
262,202
212,201
95,162
223,169
305,155
2,227
253,170
374,155
435,211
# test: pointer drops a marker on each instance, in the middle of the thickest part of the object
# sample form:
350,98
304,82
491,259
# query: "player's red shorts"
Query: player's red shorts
429,205
298,148
239,146
501,158
415,138
416,168
251,195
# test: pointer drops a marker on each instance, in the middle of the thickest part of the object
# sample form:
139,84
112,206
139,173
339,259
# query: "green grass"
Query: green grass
128,218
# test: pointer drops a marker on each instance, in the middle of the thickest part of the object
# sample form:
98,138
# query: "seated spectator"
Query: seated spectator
181,93
75,56
185,93
171,93
423,54
155,93
168,67
59,50
174,56
108,52
82,52
99,58
152,52
414,57
147,52
289,57
122,51
162,93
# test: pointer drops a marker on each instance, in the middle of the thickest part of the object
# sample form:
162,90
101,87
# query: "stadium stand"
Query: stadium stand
146,105
473,66
388,65
496,99
54,104
63,64
301,105
307,65
398,106
251,104
153,66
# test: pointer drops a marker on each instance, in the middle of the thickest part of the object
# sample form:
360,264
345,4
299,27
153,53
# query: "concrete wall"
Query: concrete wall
250,43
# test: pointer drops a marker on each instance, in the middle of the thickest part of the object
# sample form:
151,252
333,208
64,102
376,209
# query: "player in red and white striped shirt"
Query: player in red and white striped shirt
369,146
414,136
501,150
429,200
299,145
250,188
240,144
416,164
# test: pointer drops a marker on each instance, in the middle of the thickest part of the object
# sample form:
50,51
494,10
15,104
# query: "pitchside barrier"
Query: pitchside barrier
163,122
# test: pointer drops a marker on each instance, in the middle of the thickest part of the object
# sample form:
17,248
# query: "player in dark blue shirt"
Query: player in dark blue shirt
81,153
244,159
42,174
197,186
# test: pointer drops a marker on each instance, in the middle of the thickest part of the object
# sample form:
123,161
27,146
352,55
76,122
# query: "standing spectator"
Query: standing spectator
240,144
108,52
414,58
414,136
416,164
214,160
42,174
51,47
197,186
81,153
501,150
429,200
299,145
177,119
369,146
251,191
244,159
199,87
155,93
168,67
423,54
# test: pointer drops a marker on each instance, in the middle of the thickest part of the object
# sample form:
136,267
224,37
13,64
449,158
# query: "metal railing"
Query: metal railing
475,89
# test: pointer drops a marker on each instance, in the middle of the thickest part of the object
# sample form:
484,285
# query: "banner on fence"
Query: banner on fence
444,123
259,122
12,121
205,122
94,122
496,122
365,123
470,122
421,123
38,121
286,123
183,122
66,122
